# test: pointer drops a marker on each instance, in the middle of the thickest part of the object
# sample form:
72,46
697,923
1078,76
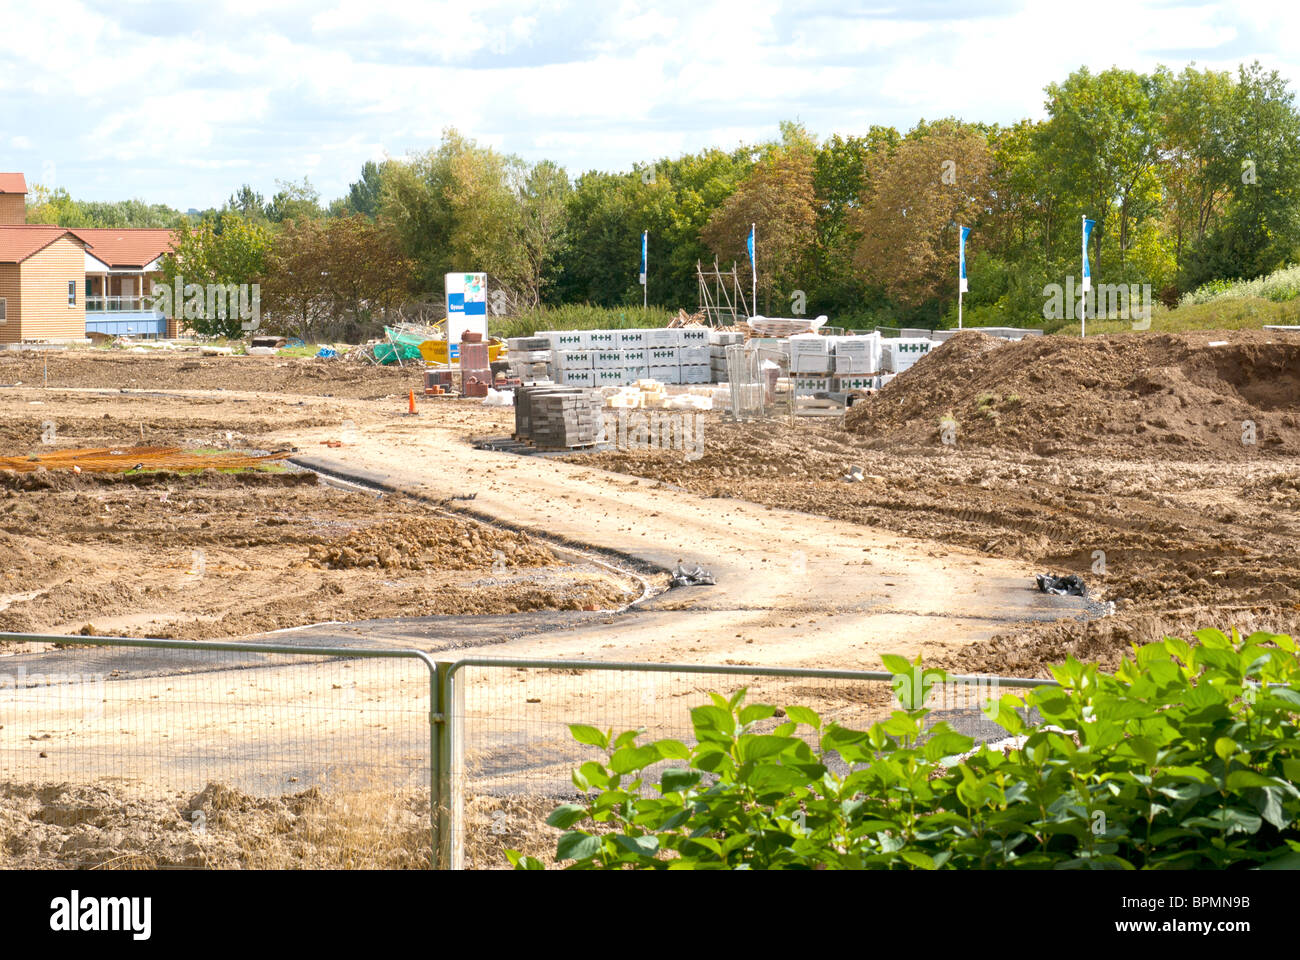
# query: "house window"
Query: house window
4,315
72,293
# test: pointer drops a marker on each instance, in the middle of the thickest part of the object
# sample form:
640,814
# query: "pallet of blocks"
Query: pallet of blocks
559,418
523,406
530,358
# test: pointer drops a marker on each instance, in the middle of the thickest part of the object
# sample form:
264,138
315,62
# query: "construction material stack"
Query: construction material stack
612,358
558,418
562,421
857,362
719,340
475,370
901,353
530,359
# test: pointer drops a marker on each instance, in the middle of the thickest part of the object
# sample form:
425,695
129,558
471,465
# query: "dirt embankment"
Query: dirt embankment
1233,395
301,376
1198,531
199,556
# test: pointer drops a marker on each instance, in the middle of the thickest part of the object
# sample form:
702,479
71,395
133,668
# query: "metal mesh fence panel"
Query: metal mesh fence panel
752,373
513,754
227,757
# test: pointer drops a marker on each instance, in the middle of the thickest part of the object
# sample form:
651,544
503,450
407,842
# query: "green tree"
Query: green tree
202,256
779,196
543,198
294,201
334,278
1101,141
919,194
247,203
1260,230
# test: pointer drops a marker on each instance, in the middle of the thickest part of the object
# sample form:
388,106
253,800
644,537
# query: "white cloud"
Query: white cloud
182,105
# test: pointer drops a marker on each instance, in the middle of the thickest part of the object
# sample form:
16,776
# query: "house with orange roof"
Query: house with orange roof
121,268
42,272
59,284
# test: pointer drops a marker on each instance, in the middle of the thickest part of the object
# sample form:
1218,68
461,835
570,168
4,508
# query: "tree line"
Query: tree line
1190,177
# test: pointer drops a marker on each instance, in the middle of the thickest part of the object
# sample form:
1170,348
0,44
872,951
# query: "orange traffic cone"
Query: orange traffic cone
411,398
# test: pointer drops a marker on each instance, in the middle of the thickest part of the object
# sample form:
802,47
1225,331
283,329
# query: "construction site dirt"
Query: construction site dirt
1173,542
437,545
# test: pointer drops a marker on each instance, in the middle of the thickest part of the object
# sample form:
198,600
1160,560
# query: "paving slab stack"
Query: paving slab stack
560,421
615,358
698,355
558,417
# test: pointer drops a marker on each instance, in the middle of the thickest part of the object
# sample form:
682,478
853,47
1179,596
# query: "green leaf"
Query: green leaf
673,781
576,845
1240,779
804,715
942,745
899,666
672,749
595,774
756,747
712,722
627,738
588,735
756,711
1268,801
645,846
1225,747
631,759
566,816
521,862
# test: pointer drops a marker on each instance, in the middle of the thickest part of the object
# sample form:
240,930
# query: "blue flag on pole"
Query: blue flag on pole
644,235
1087,232
750,244
965,232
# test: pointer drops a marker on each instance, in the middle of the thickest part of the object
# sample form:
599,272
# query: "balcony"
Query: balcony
124,317
140,305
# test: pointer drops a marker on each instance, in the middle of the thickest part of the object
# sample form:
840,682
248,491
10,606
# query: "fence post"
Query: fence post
441,769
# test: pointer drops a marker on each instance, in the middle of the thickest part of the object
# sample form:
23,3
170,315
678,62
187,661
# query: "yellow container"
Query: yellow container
435,351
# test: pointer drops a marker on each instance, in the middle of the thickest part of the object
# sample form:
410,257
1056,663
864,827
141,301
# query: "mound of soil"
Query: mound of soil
301,376
431,543
1225,394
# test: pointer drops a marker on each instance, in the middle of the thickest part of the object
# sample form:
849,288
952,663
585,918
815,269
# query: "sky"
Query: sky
181,103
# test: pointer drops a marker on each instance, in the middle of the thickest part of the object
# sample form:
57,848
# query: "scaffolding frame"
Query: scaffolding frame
722,298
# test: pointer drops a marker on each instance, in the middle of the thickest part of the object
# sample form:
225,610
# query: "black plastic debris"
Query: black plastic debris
1071,586
684,576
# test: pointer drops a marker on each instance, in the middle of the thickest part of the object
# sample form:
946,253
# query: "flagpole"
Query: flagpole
753,295
961,252
1087,281
645,263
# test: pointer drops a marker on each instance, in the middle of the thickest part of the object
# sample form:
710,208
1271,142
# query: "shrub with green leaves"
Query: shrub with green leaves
1186,757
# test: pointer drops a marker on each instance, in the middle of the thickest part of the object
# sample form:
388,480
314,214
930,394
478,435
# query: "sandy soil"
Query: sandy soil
105,825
